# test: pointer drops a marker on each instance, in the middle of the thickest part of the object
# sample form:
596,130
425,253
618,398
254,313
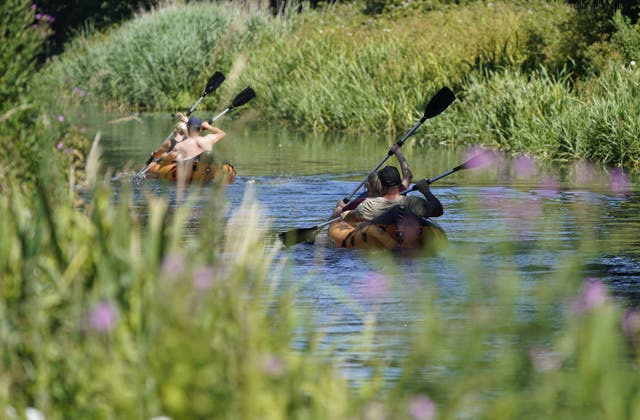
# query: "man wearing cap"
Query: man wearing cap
197,143
390,180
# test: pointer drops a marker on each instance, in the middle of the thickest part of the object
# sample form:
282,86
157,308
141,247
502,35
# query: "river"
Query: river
545,214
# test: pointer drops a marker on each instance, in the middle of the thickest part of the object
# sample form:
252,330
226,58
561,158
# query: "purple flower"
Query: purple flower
76,89
83,92
60,117
422,407
548,186
375,286
524,166
172,265
59,146
593,295
273,366
48,18
203,278
620,183
481,157
34,6
103,317
38,16
631,322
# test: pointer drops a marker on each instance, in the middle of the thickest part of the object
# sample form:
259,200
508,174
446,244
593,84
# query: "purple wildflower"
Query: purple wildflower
34,6
203,278
172,265
103,317
548,186
59,146
593,295
422,407
38,16
631,322
524,166
620,183
273,366
60,117
375,286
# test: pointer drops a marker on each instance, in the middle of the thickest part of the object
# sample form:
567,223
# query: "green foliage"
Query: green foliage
29,126
104,316
348,72
22,38
156,60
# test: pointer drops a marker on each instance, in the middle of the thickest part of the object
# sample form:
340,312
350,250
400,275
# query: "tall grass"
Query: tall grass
336,68
161,59
106,316
547,117
342,70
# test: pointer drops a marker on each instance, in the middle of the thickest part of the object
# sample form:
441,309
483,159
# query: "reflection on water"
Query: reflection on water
541,214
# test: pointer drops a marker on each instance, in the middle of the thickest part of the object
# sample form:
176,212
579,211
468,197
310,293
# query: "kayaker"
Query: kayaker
178,135
390,179
373,186
197,143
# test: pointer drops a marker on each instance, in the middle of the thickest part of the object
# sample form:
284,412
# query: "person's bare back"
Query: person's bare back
197,143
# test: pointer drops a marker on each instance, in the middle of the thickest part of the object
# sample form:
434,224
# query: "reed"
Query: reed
107,315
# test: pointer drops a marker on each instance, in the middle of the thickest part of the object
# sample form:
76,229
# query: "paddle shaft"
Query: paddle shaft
399,143
212,84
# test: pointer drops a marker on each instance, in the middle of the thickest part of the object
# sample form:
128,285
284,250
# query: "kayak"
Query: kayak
396,229
204,167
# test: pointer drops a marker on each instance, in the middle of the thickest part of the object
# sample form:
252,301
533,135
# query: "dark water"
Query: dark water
543,215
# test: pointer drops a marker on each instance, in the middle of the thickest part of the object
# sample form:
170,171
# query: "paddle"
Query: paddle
242,98
212,84
438,103
296,236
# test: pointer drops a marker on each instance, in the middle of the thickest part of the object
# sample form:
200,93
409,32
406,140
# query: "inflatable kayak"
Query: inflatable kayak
204,167
397,229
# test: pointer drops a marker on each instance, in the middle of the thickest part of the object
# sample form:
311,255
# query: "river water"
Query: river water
543,215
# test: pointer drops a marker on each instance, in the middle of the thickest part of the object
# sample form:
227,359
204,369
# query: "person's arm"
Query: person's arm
404,166
433,205
209,140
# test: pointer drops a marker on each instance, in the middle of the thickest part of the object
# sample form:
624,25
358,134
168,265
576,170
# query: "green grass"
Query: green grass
104,315
510,64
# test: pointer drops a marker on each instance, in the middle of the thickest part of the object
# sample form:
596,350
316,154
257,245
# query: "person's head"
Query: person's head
389,177
373,186
194,124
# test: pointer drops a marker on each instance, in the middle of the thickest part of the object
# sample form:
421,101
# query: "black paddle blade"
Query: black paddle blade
439,103
243,97
213,83
297,236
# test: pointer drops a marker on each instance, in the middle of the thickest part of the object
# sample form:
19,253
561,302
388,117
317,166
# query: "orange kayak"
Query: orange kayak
397,229
204,167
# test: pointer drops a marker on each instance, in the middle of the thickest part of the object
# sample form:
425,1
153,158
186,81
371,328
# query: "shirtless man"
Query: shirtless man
197,143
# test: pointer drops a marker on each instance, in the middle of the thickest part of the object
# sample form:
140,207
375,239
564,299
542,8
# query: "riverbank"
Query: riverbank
513,66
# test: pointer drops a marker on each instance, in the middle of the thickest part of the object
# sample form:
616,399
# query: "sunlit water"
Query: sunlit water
298,178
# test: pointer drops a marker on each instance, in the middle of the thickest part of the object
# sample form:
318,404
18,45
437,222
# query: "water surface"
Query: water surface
542,214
